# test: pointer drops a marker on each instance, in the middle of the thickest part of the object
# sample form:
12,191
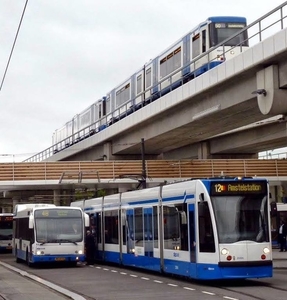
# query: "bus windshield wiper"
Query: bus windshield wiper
49,241
67,241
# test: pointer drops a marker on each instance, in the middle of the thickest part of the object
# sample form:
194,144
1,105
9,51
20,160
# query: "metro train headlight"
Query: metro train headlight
224,251
266,250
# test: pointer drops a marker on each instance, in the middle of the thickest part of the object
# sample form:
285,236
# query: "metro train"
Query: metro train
206,46
206,229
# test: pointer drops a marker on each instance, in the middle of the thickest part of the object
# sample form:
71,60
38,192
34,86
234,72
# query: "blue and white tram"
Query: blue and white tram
206,46
217,228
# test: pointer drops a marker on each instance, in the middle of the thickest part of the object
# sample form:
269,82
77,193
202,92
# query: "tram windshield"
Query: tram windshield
241,218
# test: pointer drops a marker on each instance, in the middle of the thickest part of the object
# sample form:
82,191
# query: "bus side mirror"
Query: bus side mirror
31,223
87,220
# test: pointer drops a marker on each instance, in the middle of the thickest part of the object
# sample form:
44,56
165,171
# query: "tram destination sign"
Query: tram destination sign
238,187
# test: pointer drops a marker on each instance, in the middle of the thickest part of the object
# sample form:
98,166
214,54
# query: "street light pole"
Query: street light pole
143,164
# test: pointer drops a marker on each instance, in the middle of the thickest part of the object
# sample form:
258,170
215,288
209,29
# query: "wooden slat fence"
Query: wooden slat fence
178,169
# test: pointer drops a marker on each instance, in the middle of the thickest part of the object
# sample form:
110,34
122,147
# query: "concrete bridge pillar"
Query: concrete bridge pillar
6,209
204,150
108,154
57,197
15,201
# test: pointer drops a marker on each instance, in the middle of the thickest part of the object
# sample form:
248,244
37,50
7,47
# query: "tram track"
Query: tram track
266,289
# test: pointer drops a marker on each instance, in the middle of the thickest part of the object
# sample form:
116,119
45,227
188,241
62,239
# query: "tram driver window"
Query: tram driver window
206,236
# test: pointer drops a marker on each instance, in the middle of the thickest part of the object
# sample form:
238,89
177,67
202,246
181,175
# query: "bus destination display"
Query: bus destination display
237,187
5,219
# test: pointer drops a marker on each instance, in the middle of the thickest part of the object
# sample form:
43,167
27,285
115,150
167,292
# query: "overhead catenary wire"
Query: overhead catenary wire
10,56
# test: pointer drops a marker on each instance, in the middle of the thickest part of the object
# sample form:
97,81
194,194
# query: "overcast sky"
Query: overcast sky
70,53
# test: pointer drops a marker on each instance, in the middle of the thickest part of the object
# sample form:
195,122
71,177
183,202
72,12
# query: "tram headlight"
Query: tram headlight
266,250
224,251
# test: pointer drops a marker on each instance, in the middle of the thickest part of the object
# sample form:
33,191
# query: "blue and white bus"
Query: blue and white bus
216,228
45,233
6,231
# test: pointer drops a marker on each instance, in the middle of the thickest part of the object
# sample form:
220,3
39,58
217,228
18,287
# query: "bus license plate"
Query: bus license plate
60,258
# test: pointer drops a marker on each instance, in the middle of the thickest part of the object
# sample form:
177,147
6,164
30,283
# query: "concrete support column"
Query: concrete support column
57,197
15,201
204,150
6,209
283,194
108,154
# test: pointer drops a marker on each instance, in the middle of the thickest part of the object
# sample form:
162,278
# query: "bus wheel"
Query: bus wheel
16,255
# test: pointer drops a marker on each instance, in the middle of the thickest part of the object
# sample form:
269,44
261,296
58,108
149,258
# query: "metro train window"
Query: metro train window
139,84
170,63
123,95
195,45
148,78
108,105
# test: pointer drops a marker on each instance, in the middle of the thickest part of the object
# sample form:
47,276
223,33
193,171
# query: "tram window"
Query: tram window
155,223
182,209
206,236
111,227
171,226
138,228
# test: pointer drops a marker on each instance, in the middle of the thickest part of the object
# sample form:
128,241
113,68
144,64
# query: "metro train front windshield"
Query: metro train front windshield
241,218
221,31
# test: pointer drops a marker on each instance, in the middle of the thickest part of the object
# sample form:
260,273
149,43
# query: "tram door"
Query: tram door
191,231
148,236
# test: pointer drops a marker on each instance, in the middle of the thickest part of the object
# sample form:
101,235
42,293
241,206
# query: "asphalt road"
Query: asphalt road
110,282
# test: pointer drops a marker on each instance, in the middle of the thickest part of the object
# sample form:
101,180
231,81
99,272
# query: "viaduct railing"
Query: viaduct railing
163,169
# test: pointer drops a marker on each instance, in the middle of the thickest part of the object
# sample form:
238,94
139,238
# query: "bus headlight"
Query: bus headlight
79,252
224,251
266,250
40,252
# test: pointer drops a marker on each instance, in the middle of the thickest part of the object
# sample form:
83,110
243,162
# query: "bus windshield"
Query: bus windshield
6,230
221,31
241,218
58,230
